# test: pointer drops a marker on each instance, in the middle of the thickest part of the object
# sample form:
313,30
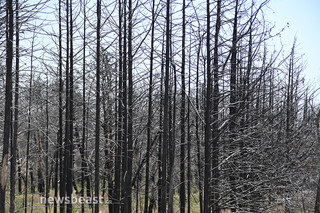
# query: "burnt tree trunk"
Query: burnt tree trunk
8,102
16,119
97,127
149,124
207,137
183,114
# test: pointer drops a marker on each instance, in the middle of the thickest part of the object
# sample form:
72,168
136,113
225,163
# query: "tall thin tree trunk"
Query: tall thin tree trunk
124,206
8,102
149,124
16,119
207,139
70,169
166,139
97,127
172,135
117,176
83,106
161,130
183,114
69,108
66,160
130,111
47,188
215,126
59,160
233,107
189,178
29,130
197,132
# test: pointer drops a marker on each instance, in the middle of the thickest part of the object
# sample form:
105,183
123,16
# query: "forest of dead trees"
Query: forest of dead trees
154,106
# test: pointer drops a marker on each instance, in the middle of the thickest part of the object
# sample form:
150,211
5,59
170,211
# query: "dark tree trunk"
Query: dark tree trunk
161,130
70,178
128,201
47,147
207,139
117,176
83,163
19,173
16,119
124,206
29,131
33,187
166,139
69,107
149,124
106,86
233,107
189,178
66,147
183,115
197,132
59,160
317,202
8,102
172,136
110,174
97,127
215,126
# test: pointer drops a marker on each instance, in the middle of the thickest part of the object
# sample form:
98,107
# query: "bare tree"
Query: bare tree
183,113
97,127
149,124
16,117
8,102
207,115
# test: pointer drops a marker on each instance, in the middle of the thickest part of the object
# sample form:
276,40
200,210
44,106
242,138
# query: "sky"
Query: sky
303,18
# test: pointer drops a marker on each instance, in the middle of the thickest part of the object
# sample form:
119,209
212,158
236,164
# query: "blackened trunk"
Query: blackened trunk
97,127
47,187
16,117
19,173
130,110
124,206
83,166
117,176
189,178
215,126
59,160
70,167
8,102
161,130
207,139
29,130
197,133
233,107
183,115
166,139
317,202
149,124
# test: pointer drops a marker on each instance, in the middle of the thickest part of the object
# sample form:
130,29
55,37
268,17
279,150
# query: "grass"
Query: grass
36,206
36,203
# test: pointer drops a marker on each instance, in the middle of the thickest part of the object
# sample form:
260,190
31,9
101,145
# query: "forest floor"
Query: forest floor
36,204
